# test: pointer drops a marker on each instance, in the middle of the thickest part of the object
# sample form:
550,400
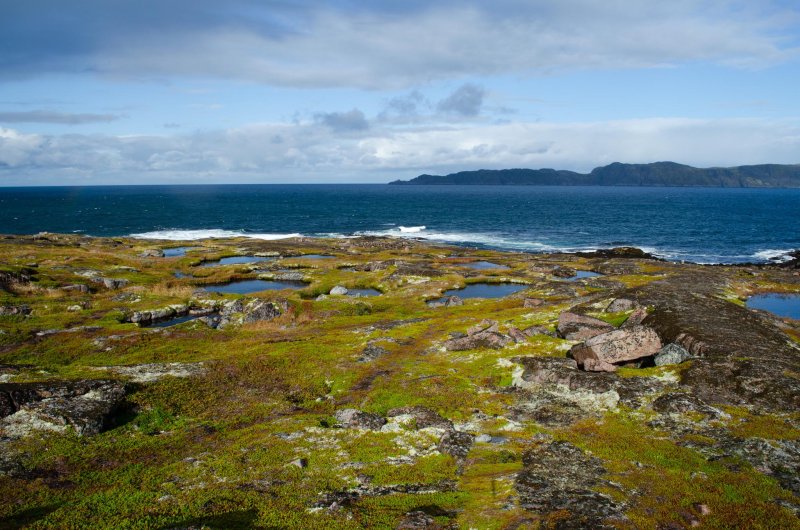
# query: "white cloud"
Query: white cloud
377,45
312,152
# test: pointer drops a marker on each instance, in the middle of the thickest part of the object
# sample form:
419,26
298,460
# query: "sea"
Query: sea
701,225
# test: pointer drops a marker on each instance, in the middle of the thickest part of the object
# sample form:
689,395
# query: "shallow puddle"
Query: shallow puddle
313,256
584,274
236,260
177,252
486,290
484,265
785,305
363,292
253,286
174,321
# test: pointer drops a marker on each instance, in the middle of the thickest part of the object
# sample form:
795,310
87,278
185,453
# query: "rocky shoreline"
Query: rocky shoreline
645,396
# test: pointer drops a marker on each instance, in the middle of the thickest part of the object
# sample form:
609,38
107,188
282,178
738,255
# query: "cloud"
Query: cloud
48,116
315,152
353,120
377,45
465,101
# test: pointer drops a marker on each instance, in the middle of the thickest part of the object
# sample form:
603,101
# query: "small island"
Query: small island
618,174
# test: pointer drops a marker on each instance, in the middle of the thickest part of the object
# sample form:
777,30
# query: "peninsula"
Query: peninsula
618,174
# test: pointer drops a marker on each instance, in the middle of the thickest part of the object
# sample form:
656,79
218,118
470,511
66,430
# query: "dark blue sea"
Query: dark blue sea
706,225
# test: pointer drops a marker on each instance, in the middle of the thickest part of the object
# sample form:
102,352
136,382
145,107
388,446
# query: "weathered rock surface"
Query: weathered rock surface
620,304
483,335
423,416
372,352
635,318
357,419
152,253
618,346
15,310
559,482
450,301
530,303
671,354
574,326
553,391
147,373
456,443
87,406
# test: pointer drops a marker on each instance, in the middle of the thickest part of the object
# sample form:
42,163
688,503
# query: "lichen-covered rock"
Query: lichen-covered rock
357,419
372,352
530,303
635,318
111,283
87,406
619,345
456,443
559,482
620,304
450,301
423,416
260,310
15,310
671,354
146,373
483,339
152,253
574,326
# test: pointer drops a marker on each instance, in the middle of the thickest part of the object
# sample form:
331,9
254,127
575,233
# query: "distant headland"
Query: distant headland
618,174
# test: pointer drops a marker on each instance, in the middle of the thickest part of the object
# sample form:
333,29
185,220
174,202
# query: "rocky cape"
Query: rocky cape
618,174
649,396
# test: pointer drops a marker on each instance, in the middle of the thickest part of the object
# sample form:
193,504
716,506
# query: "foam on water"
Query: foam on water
193,235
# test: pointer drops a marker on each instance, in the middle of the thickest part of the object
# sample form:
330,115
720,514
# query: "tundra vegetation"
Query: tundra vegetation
646,397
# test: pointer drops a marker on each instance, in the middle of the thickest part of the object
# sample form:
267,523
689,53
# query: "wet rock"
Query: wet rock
357,419
620,304
671,354
618,346
423,416
559,482
15,310
87,406
338,290
574,326
619,252
155,315
152,253
456,443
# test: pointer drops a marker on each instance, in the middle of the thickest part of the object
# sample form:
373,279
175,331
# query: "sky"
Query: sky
244,91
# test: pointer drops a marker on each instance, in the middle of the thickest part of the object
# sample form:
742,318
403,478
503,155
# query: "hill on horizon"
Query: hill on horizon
619,174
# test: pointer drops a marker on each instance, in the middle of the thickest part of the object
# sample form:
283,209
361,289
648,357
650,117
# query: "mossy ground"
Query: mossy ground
215,450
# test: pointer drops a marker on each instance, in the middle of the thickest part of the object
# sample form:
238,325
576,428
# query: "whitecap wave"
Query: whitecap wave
465,238
411,229
192,235
774,255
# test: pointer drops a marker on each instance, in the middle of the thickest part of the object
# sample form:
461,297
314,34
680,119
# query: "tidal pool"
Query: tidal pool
785,305
486,290
253,286
584,274
312,256
363,292
484,265
174,321
236,260
177,252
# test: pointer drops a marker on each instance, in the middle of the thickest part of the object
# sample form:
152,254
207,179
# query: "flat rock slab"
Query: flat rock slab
574,326
617,346
558,482
147,373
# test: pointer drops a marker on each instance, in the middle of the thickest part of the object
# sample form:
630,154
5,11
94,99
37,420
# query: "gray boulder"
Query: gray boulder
456,443
620,304
338,290
672,354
